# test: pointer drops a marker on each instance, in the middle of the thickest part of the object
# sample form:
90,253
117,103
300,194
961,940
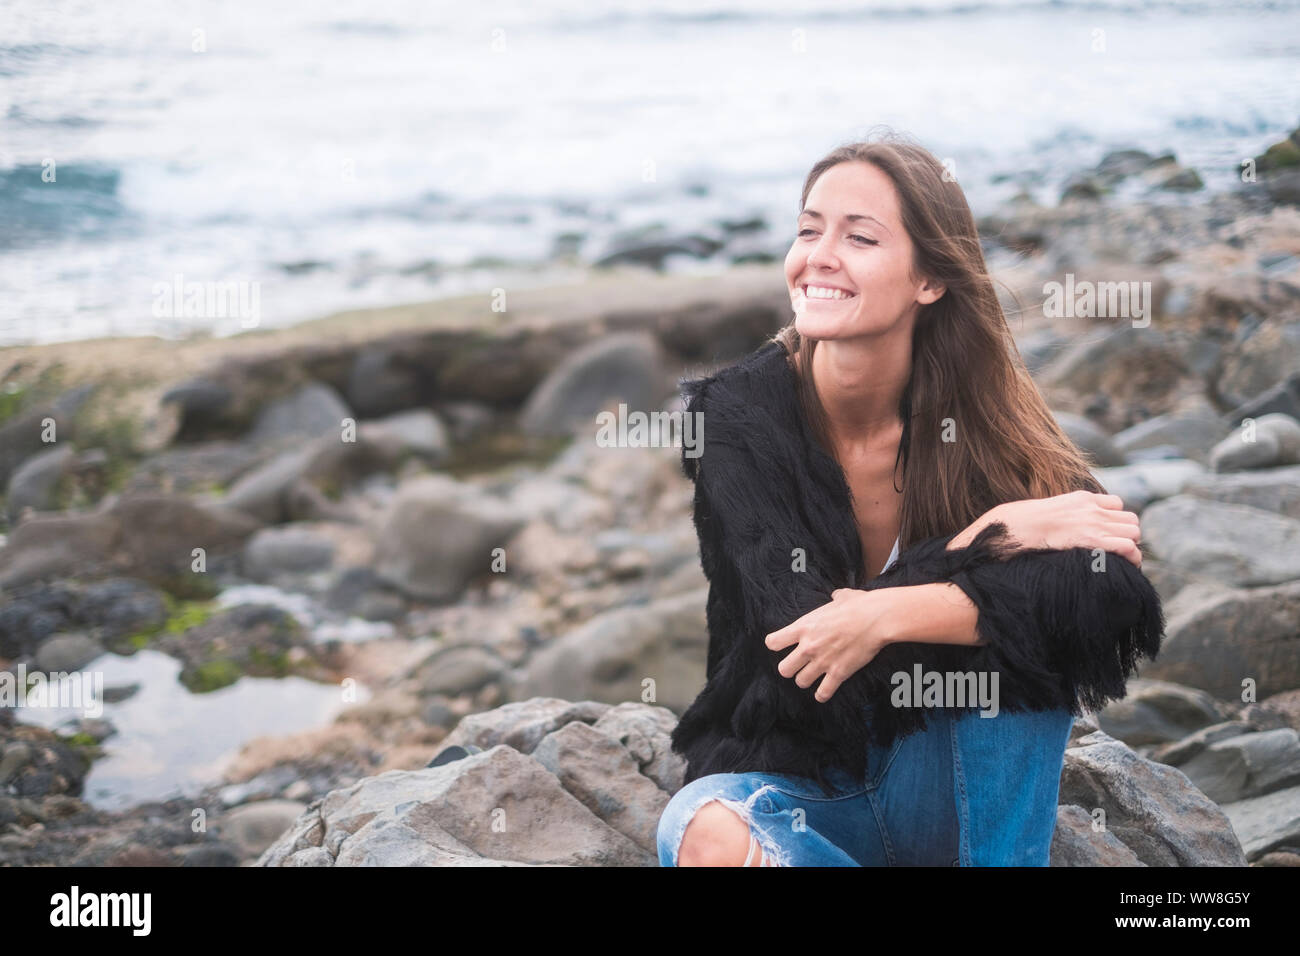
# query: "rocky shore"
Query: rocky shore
413,503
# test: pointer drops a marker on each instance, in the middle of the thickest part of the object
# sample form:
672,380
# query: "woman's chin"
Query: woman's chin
817,327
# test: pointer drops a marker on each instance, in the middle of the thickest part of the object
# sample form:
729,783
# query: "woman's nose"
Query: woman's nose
820,255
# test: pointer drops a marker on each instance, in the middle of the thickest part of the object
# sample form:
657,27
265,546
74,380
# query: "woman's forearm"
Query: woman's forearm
939,613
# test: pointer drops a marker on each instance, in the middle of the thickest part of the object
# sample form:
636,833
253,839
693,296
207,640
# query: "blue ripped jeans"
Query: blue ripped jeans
967,791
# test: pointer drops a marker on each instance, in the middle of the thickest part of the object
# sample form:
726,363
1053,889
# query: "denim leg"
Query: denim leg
784,814
912,796
1006,780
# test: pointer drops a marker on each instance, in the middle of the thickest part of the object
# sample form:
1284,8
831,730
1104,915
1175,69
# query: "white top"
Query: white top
893,556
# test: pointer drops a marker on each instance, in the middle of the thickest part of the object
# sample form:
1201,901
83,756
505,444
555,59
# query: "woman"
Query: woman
899,366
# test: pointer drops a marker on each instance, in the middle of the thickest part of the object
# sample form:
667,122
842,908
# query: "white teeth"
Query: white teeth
822,292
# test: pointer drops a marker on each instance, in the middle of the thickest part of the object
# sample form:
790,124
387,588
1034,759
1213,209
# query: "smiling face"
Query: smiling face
849,269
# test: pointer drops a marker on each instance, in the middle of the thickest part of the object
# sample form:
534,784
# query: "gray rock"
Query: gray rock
212,853
438,535
200,400
1215,641
1141,483
1264,823
312,410
35,482
1076,842
1180,751
646,732
253,827
523,724
1270,354
67,652
24,434
359,592
466,419
288,487
119,607
1121,163
1236,544
610,657
381,381
1248,765
1283,398
294,550
652,251
1169,581
622,367
58,546
1083,726
1152,809
601,773
458,670
1269,489
1097,361
1192,433
417,432
1272,440
145,536
567,505
160,531
1091,438
495,807
1155,712
1285,705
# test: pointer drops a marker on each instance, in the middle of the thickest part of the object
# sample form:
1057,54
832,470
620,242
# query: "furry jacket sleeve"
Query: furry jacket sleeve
777,536
1063,628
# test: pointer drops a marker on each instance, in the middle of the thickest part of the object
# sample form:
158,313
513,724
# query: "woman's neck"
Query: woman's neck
860,384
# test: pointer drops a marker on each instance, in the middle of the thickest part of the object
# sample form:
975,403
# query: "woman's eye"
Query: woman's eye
870,242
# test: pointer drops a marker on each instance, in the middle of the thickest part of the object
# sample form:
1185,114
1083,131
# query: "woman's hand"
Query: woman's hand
1078,519
836,640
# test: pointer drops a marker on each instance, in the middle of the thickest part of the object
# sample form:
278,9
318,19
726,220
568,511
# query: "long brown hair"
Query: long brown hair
965,366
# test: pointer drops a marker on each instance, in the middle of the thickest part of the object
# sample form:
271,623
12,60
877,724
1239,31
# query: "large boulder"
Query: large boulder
1155,711
309,411
1267,822
1235,544
623,367
1192,432
148,536
1268,489
1143,482
1218,639
1268,441
439,534
555,784
1154,810
611,656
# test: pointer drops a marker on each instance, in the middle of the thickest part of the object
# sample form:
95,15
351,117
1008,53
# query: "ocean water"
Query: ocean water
315,157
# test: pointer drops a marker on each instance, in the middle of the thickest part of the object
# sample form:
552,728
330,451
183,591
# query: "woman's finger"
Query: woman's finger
808,675
1126,549
792,662
827,688
1122,530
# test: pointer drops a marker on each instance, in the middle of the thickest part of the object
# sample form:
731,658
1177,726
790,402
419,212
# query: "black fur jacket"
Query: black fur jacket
1058,633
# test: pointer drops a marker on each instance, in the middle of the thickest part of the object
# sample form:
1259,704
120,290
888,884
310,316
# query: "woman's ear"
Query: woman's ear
931,291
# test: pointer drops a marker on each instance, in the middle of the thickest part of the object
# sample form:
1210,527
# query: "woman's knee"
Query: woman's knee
715,836
703,825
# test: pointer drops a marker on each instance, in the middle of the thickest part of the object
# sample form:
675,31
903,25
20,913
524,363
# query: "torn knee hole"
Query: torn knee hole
758,854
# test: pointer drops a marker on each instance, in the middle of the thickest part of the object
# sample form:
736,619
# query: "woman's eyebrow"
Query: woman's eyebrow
851,217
